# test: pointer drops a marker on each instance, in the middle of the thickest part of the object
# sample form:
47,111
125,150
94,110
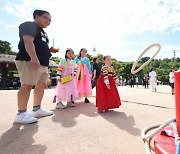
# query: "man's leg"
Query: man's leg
38,95
23,97
24,117
26,76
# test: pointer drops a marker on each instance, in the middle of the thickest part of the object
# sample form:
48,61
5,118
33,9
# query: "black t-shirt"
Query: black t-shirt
40,42
98,70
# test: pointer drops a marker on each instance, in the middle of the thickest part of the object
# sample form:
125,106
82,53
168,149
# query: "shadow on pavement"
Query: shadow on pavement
67,116
19,139
163,92
122,121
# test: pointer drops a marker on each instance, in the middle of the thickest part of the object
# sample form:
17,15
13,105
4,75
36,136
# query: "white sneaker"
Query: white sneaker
60,106
41,113
25,118
70,104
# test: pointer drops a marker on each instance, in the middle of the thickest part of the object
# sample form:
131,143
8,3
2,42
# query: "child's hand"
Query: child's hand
117,82
58,78
108,86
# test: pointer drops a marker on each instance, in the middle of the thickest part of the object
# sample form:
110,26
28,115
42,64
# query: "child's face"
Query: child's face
70,54
83,53
108,60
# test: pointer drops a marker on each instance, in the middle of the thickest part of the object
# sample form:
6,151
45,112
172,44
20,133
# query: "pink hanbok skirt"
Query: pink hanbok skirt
84,83
67,91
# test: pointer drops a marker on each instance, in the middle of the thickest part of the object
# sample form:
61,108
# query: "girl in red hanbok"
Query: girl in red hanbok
107,96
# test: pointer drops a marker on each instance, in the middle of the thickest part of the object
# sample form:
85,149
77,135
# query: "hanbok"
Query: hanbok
67,91
84,74
107,98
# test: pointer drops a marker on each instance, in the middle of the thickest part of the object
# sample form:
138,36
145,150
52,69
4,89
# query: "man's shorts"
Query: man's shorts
29,76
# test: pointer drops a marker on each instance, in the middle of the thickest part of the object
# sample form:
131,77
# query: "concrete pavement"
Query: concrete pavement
80,129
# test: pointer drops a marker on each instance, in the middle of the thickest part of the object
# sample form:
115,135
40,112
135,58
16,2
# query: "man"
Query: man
32,61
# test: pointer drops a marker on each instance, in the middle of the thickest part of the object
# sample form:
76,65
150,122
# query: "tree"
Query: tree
127,68
101,59
144,59
5,48
56,59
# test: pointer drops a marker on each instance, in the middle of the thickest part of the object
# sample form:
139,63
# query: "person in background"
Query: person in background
131,80
123,81
153,80
95,72
32,62
137,80
107,96
146,81
84,74
171,79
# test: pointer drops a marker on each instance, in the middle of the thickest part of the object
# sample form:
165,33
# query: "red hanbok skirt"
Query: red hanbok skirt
107,98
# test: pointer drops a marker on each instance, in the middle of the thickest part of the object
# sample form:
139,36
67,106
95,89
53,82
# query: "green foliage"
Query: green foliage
126,69
90,58
56,59
101,59
5,48
162,68
144,59
54,70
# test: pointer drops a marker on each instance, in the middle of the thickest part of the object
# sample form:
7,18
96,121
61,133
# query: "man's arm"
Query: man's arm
30,48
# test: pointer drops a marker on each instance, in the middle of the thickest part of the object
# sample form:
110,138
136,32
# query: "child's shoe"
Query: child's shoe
86,100
60,106
70,104
100,111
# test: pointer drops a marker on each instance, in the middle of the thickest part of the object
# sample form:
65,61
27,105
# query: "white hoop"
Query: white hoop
133,71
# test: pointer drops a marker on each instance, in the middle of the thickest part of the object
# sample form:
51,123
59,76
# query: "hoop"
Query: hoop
133,71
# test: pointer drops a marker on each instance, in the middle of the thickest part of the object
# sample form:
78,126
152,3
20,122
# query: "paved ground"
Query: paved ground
81,130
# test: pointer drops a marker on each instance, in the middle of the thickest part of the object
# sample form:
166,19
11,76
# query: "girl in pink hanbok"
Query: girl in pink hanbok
84,74
67,91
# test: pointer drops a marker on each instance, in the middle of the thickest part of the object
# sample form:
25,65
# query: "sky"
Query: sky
120,28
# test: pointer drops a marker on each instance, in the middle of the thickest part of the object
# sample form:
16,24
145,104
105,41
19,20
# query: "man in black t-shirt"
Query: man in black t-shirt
32,62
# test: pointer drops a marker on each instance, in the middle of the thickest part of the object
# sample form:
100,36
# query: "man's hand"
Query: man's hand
34,64
117,82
